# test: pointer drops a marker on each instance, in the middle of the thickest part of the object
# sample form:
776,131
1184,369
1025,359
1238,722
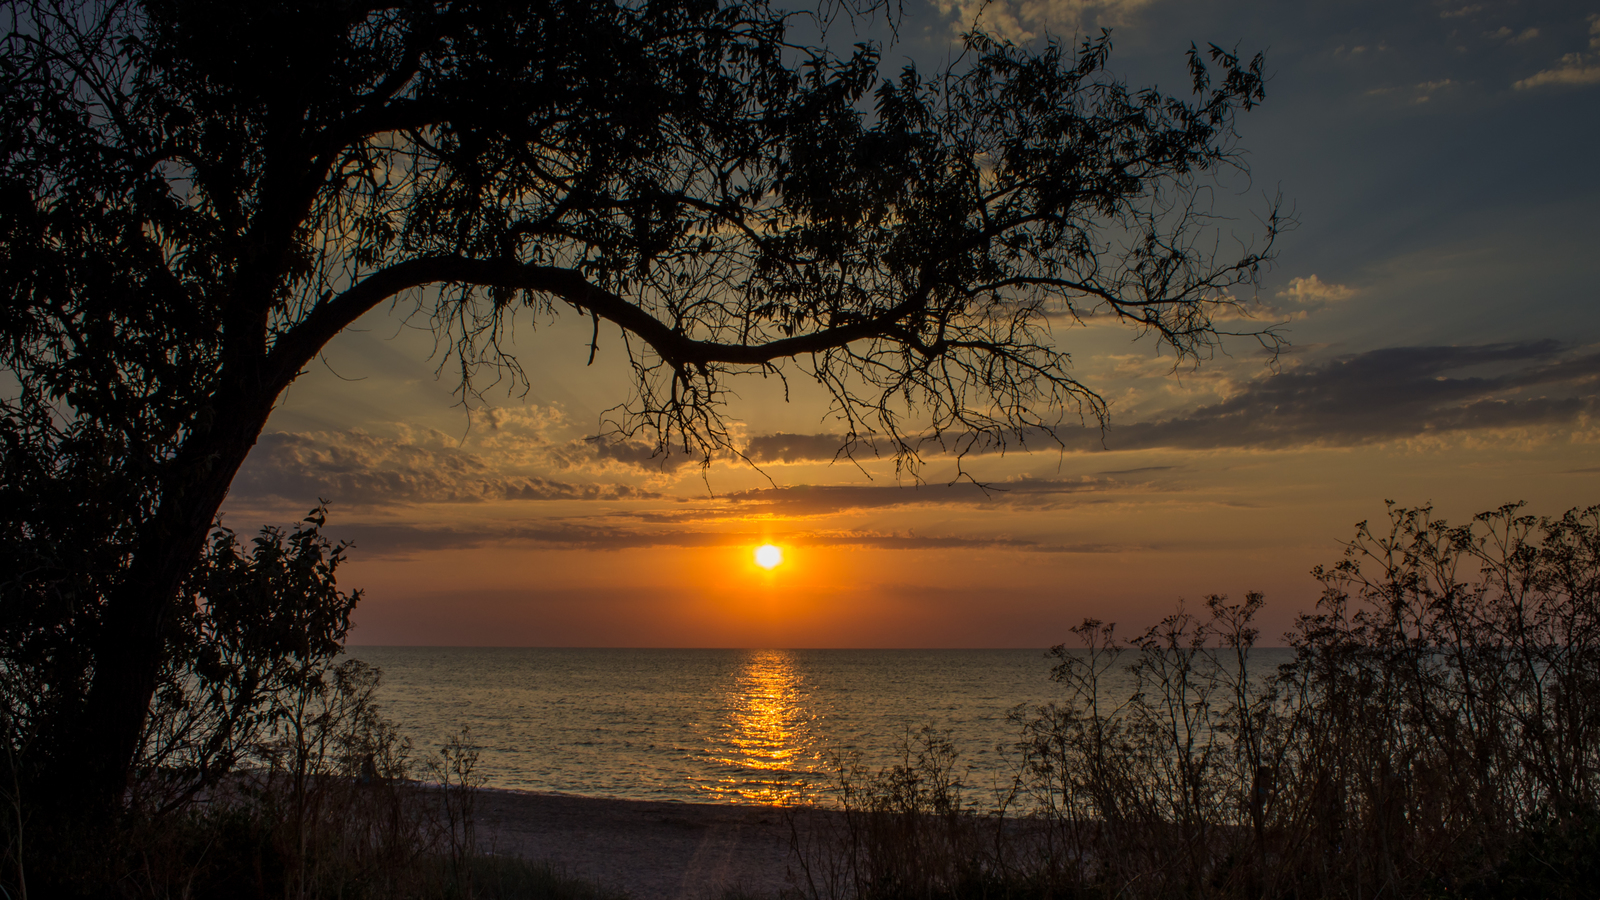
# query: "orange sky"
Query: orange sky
1440,296
518,531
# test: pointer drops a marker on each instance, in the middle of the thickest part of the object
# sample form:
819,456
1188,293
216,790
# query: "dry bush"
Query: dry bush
1436,733
901,831
265,768
1444,704
322,806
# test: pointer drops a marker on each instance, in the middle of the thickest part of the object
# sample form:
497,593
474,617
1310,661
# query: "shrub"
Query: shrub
1437,731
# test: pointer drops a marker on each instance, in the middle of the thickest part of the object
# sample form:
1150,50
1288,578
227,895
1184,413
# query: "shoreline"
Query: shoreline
652,849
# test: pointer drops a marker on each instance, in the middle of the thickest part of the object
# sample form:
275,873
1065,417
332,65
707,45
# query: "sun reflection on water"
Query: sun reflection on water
767,742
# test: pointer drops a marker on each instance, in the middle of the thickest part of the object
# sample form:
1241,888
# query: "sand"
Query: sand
652,850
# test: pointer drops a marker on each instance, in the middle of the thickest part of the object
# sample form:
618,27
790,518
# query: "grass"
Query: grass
327,808
359,841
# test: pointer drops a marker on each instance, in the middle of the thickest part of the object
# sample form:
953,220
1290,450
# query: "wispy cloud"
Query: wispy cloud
1384,395
1395,394
1512,37
358,469
797,448
380,540
830,499
1381,395
1024,20
1572,69
641,455
1312,293
796,503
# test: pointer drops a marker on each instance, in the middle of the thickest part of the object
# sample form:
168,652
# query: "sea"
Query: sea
719,726
712,726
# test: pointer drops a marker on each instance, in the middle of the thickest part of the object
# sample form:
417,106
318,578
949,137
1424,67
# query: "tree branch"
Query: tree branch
296,347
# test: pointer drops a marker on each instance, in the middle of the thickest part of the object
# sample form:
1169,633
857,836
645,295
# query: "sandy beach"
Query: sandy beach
653,850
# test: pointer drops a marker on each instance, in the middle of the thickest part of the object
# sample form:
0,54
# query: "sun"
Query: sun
768,556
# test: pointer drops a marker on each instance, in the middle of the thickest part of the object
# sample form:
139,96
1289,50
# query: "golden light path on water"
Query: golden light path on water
768,733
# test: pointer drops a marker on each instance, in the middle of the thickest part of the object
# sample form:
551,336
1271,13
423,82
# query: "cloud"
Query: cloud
1303,296
1312,293
814,500
1421,92
1425,90
1024,20
536,437
536,488
1395,394
1139,471
787,448
1381,395
1573,68
388,541
630,454
356,468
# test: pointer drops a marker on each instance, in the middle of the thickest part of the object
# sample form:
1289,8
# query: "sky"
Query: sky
1438,293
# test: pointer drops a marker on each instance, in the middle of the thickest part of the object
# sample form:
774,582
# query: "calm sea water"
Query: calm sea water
752,726
731,726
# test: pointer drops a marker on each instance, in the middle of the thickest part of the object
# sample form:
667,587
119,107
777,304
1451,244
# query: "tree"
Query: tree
254,632
194,199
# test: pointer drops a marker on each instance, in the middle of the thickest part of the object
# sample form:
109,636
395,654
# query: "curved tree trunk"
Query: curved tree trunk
131,642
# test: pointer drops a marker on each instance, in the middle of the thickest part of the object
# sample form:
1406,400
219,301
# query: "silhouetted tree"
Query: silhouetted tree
196,197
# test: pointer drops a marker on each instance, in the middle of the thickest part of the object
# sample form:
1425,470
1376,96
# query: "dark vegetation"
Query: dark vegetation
196,197
1437,734
265,769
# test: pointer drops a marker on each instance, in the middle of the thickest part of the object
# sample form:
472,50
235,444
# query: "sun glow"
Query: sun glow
768,556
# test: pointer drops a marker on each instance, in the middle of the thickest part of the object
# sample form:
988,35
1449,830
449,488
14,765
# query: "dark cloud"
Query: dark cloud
353,468
794,448
405,540
1139,471
804,500
640,454
813,448
536,488
1381,395
799,501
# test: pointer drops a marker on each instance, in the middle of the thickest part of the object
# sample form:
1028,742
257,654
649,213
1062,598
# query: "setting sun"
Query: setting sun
768,556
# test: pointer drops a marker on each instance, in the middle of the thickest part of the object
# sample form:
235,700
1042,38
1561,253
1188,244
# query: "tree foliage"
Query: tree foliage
195,198
255,631
253,627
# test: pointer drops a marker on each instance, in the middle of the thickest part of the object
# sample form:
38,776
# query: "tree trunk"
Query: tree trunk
131,642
